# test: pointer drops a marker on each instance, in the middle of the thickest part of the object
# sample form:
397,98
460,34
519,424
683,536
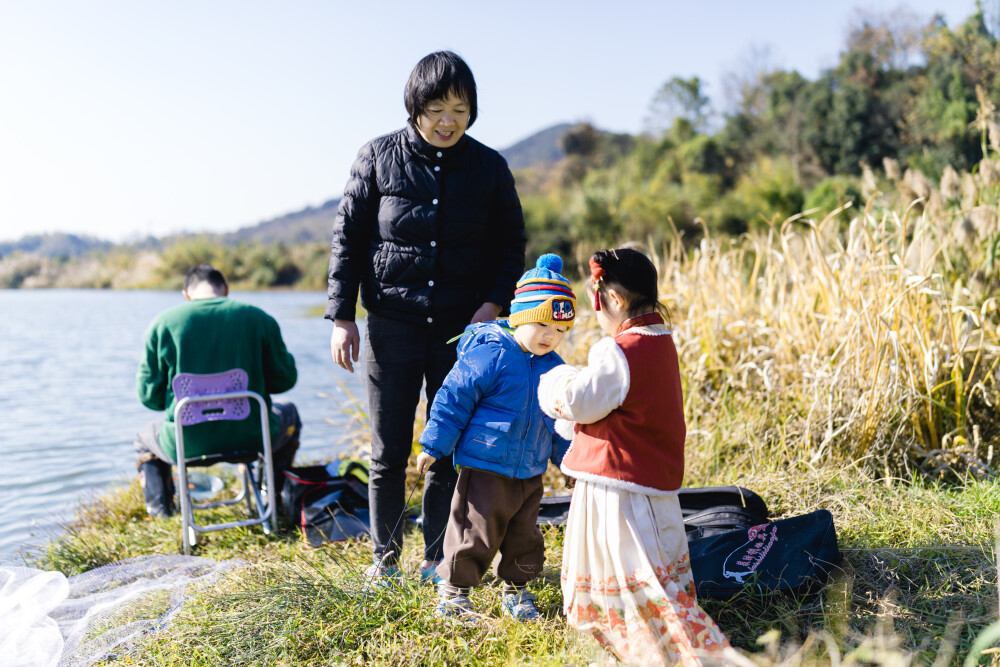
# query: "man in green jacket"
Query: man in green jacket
210,333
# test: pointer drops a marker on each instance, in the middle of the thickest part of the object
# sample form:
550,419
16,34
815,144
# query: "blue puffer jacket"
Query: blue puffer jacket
487,409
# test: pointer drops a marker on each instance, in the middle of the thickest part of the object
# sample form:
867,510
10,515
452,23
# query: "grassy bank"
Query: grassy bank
852,369
919,582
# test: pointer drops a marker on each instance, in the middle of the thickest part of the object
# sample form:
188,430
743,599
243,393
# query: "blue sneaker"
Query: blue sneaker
520,606
428,573
457,609
379,576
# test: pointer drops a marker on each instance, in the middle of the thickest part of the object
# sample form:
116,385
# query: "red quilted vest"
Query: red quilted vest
640,444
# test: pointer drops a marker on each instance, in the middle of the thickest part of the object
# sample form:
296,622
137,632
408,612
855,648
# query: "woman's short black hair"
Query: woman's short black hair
433,78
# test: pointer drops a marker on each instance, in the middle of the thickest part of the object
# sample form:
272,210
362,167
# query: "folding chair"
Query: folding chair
223,396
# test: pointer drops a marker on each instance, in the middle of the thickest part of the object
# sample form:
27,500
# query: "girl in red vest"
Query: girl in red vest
626,575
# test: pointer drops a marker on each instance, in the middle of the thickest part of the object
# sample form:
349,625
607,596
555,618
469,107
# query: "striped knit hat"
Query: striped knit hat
543,295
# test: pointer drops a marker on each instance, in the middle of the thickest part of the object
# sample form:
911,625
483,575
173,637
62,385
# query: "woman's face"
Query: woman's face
443,122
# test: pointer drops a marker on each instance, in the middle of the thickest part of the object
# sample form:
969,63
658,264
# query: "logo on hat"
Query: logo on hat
563,310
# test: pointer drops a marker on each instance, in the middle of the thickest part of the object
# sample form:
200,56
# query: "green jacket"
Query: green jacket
212,336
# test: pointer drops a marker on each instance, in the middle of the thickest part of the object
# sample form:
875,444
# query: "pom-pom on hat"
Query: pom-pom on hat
543,295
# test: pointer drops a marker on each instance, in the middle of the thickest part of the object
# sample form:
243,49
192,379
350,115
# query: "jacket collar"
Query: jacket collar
643,320
433,153
504,333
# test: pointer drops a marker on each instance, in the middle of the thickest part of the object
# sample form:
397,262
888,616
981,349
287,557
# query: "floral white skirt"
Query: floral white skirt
626,578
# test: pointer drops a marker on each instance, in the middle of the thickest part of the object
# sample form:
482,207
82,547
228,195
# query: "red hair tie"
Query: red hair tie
596,274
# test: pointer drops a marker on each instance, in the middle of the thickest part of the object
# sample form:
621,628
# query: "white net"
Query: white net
47,619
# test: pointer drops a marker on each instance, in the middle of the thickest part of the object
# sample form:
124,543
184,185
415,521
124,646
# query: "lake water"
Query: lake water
68,408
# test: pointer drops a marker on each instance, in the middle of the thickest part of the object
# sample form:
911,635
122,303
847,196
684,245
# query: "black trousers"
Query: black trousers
400,358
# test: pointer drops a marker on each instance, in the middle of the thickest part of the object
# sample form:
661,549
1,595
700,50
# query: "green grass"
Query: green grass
919,583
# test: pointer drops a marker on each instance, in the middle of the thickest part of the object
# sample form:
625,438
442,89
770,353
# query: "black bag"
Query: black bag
327,507
795,554
714,510
553,510
707,511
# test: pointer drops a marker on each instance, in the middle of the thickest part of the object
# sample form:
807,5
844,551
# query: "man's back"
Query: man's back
211,335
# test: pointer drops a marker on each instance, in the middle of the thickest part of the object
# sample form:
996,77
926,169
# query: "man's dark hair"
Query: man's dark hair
205,273
433,78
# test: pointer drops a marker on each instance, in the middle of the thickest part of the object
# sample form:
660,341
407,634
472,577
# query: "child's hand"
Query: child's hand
424,461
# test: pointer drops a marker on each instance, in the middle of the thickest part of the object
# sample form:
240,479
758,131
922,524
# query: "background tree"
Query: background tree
678,99
894,39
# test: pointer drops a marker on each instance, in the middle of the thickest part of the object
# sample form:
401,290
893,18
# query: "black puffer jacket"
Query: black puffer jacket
428,233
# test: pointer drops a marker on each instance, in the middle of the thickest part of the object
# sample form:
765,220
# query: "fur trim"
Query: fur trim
619,484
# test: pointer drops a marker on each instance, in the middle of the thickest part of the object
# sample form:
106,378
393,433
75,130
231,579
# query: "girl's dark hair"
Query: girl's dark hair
630,273
433,78
205,273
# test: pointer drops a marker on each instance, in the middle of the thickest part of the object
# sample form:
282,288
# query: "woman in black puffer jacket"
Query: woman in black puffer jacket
430,231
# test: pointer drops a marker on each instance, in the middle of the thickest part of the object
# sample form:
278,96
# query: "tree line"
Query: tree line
908,113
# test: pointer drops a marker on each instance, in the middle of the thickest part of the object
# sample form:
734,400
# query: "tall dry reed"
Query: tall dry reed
809,346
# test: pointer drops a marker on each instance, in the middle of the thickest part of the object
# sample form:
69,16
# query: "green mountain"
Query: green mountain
309,224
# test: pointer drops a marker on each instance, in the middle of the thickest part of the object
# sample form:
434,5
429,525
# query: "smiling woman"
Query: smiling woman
430,231
441,99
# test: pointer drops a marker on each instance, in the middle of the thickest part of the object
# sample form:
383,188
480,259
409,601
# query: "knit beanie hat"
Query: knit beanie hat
543,295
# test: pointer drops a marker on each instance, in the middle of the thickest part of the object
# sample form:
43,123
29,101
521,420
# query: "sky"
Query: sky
121,119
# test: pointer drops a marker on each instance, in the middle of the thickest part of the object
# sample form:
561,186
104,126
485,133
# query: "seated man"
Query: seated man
210,333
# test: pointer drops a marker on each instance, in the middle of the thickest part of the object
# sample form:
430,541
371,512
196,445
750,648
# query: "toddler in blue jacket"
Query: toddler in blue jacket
487,413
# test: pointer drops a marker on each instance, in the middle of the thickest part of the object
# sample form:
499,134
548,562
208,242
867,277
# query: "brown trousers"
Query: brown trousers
490,513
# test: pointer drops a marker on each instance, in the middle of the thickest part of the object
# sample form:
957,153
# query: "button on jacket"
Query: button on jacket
427,234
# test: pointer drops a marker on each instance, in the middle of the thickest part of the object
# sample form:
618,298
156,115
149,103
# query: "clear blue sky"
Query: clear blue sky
122,118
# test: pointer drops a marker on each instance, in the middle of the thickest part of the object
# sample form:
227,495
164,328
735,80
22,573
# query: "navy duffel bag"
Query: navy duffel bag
799,553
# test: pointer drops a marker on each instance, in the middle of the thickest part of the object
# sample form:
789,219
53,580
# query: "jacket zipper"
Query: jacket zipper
528,413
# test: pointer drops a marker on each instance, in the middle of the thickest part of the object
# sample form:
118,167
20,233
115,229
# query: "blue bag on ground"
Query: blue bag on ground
328,503
794,554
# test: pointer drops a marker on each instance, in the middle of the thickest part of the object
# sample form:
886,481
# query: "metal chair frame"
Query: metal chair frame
250,490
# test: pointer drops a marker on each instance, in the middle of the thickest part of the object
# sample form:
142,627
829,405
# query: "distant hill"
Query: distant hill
54,245
315,223
540,148
309,224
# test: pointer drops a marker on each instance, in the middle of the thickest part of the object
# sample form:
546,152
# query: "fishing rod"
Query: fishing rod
406,507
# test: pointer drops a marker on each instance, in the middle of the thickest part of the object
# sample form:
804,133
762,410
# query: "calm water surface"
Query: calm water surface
68,408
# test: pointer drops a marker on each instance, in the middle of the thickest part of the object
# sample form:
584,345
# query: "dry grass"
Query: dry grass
807,348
